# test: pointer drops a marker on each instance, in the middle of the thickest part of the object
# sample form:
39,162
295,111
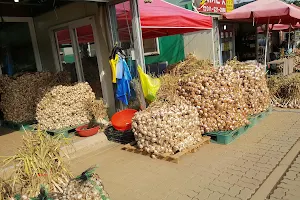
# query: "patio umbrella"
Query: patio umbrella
276,27
266,12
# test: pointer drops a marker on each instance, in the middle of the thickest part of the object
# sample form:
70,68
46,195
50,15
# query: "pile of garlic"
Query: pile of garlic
90,189
255,89
217,97
167,127
77,189
20,95
297,63
65,106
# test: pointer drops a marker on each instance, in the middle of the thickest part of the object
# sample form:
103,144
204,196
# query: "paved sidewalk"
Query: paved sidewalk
289,186
215,172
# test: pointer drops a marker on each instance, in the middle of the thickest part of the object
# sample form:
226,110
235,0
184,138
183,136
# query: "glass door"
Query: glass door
77,52
66,53
85,43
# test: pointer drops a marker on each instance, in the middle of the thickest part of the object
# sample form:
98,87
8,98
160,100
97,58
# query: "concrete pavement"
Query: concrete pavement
215,172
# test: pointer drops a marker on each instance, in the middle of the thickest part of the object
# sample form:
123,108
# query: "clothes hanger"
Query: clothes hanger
113,51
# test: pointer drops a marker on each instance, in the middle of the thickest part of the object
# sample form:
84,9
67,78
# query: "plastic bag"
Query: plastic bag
150,85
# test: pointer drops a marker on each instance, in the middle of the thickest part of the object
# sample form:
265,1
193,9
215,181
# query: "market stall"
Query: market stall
151,29
266,12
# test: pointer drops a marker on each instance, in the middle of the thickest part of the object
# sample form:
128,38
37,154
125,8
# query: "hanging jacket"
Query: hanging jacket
123,84
122,90
119,67
116,53
113,61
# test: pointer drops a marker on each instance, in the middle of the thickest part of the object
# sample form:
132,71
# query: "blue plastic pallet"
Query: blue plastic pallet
64,132
18,126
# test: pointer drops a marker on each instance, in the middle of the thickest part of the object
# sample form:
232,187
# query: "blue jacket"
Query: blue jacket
123,82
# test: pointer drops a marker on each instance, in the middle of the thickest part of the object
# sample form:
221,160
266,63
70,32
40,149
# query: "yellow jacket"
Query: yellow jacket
113,65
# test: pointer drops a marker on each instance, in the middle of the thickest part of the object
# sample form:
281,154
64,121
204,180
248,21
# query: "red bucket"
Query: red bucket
122,120
83,132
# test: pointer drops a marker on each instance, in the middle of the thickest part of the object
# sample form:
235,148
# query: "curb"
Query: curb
274,178
86,146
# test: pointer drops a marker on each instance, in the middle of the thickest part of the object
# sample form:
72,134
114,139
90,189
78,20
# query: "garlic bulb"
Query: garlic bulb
217,97
65,106
226,97
253,84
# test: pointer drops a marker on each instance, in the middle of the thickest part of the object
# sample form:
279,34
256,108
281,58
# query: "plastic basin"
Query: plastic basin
122,120
83,132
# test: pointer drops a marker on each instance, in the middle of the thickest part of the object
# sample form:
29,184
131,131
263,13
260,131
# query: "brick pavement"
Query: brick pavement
215,172
289,187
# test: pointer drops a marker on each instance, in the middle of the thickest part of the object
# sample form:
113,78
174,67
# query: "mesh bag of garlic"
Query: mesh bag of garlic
217,97
167,127
19,95
86,186
65,106
254,86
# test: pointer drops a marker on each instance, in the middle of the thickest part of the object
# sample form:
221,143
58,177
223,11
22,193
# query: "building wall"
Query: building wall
62,15
69,13
200,44
204,44
171,47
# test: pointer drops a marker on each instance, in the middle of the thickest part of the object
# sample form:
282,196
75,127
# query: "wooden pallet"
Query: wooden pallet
168,157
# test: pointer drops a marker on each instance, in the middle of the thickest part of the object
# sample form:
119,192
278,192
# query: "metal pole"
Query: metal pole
213,42
138,44
267,42
289,41
137,35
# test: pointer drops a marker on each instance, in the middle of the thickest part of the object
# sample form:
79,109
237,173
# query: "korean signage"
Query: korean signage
215,6
229,5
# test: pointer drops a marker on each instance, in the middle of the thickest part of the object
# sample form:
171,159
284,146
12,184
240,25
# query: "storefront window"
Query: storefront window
16,53
151,46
